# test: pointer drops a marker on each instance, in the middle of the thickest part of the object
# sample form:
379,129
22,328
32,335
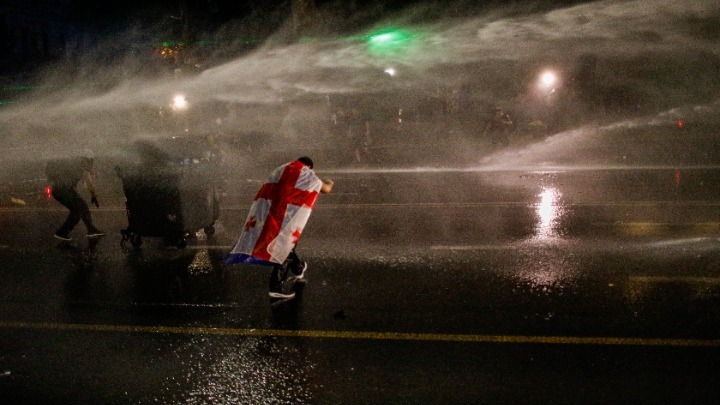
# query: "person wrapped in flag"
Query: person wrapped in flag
276,220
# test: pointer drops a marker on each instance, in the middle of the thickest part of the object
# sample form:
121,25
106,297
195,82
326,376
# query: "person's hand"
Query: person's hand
94,200
326,186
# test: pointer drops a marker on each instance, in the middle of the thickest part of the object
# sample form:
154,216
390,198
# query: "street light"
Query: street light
548,79
179,102
548,83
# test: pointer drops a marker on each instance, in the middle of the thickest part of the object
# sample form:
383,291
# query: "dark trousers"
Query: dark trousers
281,271
68,197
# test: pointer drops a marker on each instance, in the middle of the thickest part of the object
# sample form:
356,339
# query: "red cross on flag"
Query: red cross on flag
277,216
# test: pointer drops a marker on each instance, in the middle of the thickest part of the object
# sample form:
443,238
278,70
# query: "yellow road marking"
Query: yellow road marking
675,279
358,335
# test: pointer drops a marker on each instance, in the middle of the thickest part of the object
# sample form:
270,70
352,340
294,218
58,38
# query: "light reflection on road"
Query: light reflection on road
241,371
549,211
546,271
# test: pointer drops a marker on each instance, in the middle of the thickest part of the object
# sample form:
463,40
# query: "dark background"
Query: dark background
36,32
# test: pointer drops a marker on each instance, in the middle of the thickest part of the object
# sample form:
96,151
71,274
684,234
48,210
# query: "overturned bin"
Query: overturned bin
171,189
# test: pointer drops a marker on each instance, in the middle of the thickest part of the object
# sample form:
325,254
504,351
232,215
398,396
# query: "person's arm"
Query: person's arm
91,187
326,186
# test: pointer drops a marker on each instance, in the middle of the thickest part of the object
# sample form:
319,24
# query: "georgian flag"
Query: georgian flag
277,216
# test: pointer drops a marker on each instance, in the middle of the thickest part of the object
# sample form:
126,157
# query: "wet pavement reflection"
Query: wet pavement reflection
509,256
239,370
549,211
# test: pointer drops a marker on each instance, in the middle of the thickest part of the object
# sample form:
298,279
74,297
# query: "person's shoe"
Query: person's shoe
301,276
64,238
281,295
96,233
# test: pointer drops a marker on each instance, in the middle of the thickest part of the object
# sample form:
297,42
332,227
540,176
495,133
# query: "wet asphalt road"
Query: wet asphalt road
444,286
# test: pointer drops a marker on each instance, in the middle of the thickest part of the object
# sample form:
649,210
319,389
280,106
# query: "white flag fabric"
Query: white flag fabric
277,216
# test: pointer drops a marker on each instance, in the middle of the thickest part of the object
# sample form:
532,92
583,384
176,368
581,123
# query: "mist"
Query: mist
619,63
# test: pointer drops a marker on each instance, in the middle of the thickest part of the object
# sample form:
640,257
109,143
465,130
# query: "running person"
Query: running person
275,221
64,175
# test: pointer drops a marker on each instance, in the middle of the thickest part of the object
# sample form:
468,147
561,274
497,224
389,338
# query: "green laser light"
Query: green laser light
388,41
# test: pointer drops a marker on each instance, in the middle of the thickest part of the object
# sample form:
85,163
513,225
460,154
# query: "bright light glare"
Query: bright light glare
179,102
380,38
549,210
548,79
389,41
391,71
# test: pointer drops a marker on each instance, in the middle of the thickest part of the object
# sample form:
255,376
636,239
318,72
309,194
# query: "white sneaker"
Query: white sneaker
62,238
281,295
95,234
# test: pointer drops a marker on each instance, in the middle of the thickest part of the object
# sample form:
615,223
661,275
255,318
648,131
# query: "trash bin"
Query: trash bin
171,191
